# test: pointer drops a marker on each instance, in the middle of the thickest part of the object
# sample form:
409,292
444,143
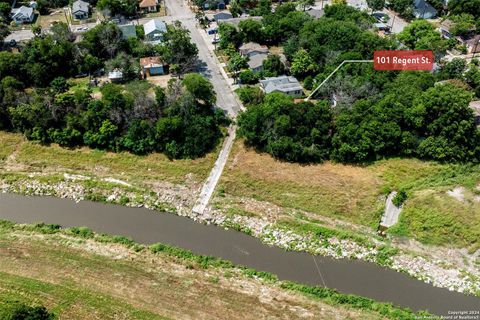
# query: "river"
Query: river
147,227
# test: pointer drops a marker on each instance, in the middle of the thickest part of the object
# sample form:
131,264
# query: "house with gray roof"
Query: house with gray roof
22,15
154,30
284,84
80,10
256,62
128,31
423,10
236,21
250,49
315,13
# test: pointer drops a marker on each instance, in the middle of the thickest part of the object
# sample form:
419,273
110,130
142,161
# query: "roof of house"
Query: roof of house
422,9
222,16
315,13
474,42
447,25
252,46
475,106
256,61
115,74
80,5
282,84
236,21
147,3
128,31
22,11
151,62
155,25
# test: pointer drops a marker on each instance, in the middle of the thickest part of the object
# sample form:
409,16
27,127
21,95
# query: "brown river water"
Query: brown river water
148,227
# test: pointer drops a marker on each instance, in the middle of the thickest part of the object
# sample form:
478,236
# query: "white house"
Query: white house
22,15
154,30
285,84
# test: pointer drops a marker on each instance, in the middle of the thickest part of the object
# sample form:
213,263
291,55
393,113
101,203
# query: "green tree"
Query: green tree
20,311
376,5
178,50
251,31
448,125
287,130
303,64
236,63
201,89
129,66
273,66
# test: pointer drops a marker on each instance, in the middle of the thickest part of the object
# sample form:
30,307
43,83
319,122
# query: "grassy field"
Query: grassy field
87,279
356,193
34,157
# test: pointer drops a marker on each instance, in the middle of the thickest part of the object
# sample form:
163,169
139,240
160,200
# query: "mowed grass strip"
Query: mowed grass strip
153,167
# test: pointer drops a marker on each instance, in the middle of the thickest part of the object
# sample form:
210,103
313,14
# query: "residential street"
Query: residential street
226,100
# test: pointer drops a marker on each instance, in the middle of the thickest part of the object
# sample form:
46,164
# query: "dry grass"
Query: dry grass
8,144
90,280
46,21
356,194
328,189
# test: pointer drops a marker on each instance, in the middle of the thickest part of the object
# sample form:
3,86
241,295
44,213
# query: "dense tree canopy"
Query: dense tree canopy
287,130
425,121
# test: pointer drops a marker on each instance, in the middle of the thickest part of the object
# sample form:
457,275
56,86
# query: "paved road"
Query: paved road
226,100
20,35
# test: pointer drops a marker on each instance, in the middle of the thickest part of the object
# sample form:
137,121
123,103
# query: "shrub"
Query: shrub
399,198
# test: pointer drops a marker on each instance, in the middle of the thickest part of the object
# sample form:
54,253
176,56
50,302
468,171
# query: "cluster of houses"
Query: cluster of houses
471,40
154,31
80,10
257,54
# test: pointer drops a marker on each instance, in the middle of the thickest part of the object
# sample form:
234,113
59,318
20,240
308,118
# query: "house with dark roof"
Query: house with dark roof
154,30
284,84
128,31
423,10
222,16
250,49
80,10
22,15
148,6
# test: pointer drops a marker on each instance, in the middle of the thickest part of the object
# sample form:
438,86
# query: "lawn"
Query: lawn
86,279
46,21
356,193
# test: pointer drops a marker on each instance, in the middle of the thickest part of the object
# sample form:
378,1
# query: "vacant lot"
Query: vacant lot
85,279
356,193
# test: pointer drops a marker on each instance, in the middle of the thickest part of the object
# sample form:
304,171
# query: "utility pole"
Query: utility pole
333,72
